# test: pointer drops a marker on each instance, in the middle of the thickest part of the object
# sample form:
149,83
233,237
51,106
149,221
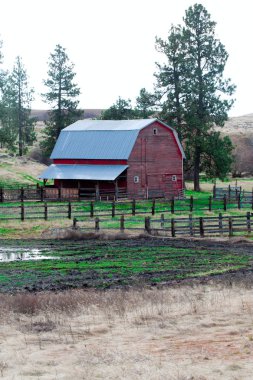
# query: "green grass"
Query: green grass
100,264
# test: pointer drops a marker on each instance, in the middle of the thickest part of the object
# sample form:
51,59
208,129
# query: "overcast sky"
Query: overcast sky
112,43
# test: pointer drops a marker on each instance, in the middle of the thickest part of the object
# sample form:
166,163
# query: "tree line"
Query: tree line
16,124
190,94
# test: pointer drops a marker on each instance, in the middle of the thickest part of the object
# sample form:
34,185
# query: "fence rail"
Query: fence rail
198,227
84,209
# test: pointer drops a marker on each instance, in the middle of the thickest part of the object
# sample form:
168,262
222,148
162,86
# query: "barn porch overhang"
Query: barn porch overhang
83,172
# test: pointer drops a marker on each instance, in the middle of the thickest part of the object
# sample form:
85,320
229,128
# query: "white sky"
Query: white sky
112,43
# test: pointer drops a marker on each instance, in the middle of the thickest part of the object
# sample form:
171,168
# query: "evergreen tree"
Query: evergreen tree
61,96
145,104
17,125
120,110
197,96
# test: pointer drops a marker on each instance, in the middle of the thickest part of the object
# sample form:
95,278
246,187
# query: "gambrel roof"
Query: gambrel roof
102,139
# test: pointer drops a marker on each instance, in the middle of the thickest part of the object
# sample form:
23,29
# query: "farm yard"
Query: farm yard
88,294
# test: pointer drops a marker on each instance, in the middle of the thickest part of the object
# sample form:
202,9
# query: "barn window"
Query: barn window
174,178
155,131
136,179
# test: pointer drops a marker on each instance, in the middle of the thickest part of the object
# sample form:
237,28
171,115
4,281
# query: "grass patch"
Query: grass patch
101,264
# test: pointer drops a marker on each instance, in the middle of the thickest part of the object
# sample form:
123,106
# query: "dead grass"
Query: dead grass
195,333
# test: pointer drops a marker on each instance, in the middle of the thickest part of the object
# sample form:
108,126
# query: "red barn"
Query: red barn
142,158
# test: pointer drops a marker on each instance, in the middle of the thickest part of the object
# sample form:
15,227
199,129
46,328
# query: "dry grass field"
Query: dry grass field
198,333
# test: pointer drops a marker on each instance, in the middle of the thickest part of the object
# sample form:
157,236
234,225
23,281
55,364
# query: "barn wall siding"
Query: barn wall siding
155,159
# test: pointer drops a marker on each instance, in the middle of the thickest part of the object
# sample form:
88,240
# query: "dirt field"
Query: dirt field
198,333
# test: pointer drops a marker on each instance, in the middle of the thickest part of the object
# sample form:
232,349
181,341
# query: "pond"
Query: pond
19,254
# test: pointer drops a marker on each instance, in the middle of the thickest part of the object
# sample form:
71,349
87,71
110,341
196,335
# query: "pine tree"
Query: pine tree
197,95
17,125
61,96
120,110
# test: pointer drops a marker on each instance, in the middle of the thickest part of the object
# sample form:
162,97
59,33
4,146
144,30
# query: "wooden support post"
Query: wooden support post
153,207
116,190
162,220
97,224
248,222
133,206
22,211
91,209
229,192
122,223
69,210
42,194
173,229
172,205
74,223
239,201
220,223
147,225
59,193
113,209
97,191
22,194
1,195
225,202
230,226
201,226
190,225
210,203
191,203
45,211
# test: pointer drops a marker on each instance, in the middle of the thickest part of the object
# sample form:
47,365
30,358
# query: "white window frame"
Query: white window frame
155,131
136,179
174,178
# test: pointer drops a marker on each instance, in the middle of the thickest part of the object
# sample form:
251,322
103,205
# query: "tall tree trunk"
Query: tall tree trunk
20,122
196,169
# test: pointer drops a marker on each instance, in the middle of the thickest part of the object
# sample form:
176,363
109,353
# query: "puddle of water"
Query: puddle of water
20,254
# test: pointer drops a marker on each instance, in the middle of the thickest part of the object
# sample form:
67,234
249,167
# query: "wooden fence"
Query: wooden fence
174,227
84,209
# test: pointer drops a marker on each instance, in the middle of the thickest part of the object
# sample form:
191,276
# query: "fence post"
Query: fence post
173,229
239,201
1,195
248,223
74,223
201,226
162,220
22,211
91,209
45,211
69,210
190,225
229,192
22,194
225,202
153,207
97,224
191,203
220,223
214,191
230,226
210,203
172,205
133,207
42,194
147,224
113,209
122,223
59,193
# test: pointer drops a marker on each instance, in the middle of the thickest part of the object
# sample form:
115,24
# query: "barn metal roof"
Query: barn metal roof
95,144
88,172
102,139
109,125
